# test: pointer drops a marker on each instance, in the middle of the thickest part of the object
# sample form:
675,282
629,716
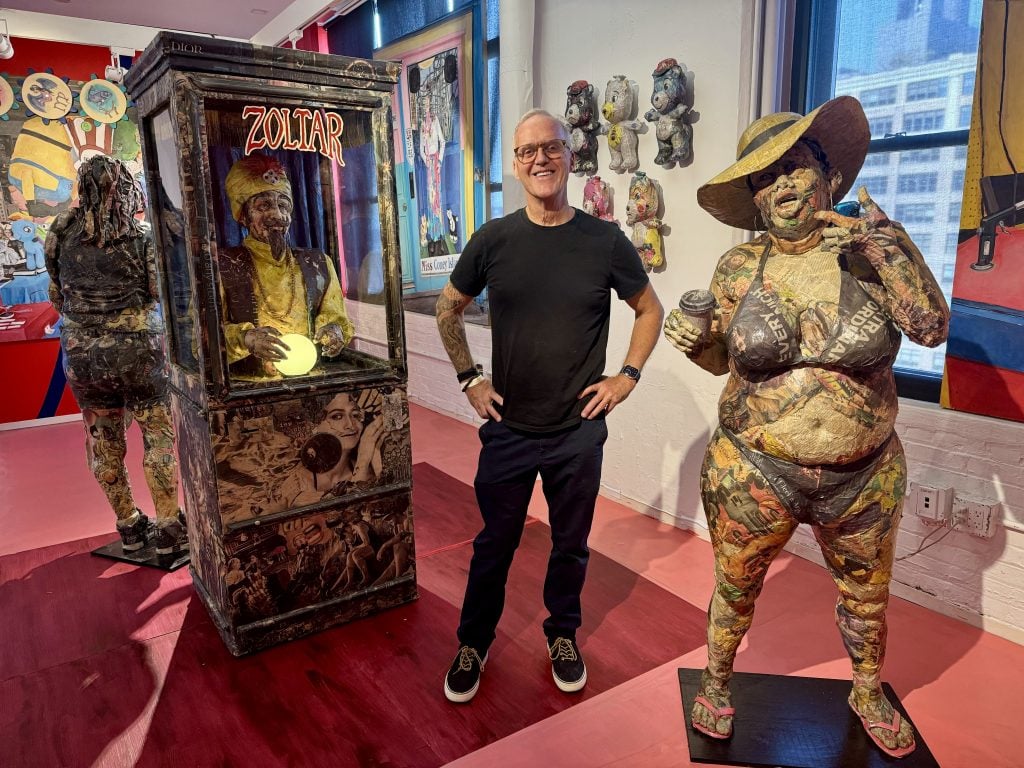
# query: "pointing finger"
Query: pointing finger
831,217
869,207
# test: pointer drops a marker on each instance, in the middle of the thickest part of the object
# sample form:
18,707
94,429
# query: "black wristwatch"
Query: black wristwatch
630,372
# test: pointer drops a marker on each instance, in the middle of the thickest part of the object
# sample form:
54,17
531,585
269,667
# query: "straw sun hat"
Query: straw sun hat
839,126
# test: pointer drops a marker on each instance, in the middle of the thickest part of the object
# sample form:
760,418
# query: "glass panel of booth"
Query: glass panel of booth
169,220
300,227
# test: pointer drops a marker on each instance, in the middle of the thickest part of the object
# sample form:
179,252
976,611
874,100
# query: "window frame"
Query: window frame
813,63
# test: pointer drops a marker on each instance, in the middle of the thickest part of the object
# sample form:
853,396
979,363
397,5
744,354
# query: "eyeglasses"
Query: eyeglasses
552,150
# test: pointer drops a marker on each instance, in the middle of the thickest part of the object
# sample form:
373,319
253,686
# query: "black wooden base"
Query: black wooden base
146,556
793,722
242,639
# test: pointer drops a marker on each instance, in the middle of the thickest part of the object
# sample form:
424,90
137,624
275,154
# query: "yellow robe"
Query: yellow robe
276,276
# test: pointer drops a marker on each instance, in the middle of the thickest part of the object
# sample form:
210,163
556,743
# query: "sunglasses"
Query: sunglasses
552,150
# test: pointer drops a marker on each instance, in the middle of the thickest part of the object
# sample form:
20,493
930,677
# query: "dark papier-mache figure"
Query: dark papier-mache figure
103,281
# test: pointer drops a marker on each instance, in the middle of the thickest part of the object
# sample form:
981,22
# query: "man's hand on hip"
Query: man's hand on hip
608,393
483,397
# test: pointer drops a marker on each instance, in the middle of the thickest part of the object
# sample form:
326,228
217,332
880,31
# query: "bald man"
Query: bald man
549,270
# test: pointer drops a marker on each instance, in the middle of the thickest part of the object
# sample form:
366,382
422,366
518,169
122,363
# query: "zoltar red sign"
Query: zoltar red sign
307,130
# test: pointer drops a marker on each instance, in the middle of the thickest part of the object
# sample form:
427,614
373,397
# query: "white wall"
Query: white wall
657,437
66,29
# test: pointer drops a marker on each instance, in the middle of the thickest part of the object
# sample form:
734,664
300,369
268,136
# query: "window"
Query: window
492,44
918,122
922,155
965,116
909,356
907,9
918,182
948,269
967,84
878,97
932,47
877,185
915,213
926,89
880,127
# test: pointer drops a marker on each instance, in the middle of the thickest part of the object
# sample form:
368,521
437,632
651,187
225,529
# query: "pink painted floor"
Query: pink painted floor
962,686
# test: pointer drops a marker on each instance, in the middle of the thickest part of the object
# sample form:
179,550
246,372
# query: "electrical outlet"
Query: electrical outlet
974,517
933,505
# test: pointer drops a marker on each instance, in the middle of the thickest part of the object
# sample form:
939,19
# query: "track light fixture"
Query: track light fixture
6,48
115,72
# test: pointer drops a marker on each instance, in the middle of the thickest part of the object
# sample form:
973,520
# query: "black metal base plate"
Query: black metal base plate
793,722
146,556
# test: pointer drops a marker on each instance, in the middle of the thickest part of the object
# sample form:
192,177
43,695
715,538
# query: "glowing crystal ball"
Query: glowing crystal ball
300,357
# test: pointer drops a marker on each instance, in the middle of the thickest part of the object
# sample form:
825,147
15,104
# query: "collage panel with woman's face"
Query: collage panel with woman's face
277,457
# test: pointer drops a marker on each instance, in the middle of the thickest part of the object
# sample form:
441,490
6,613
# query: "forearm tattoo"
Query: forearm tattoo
452,326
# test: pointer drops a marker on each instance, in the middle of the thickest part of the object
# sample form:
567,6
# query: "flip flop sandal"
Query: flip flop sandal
717,712
893,727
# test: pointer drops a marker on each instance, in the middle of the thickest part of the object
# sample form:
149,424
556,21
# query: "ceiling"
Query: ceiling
228,18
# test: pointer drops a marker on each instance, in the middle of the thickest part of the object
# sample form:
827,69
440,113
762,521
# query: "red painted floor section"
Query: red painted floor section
105,664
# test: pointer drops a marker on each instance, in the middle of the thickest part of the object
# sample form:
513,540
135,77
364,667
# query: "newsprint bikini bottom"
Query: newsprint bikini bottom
815,494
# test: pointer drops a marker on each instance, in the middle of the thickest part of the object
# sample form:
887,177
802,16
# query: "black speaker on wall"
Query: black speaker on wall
451,68
414,80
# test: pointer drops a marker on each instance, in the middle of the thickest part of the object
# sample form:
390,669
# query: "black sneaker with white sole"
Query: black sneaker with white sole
135,532
171,536
463,678
567,667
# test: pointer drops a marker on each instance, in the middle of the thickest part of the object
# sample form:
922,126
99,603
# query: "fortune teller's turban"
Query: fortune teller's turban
252,175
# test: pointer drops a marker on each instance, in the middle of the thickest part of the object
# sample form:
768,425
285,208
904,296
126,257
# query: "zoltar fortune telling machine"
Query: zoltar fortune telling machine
273,203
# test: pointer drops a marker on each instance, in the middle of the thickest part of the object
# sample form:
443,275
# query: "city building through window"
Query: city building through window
912,66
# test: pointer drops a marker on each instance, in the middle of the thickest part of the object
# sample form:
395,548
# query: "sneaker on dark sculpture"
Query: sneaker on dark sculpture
463,678
567,667
171,535
135,532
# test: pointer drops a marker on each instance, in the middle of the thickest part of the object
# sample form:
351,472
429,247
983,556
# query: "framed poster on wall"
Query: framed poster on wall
438,146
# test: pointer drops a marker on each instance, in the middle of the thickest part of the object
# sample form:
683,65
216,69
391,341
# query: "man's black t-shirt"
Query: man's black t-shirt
549,291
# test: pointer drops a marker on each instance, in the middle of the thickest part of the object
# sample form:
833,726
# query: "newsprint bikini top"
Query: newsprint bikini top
767,333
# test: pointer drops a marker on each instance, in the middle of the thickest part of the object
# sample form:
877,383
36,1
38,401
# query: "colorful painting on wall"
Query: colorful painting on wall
985,354
36,194
49,125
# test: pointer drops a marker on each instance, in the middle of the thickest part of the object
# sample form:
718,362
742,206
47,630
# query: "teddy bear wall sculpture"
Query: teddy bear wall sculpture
597,199
670,110
642,215
581,114
619,109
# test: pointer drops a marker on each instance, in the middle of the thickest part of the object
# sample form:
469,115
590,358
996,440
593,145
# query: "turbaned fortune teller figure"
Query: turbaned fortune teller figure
808,322
269,288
